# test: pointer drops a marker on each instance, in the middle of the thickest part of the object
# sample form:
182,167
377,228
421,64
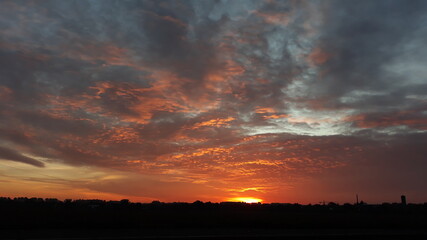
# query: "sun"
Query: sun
246,199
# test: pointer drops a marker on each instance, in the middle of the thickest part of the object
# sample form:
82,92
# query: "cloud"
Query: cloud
253,94
11,155
362,41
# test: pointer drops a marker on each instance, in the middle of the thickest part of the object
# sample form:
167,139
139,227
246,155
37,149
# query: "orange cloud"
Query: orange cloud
264,110
143,102
269,113
205,151
218,122
223,80
118,135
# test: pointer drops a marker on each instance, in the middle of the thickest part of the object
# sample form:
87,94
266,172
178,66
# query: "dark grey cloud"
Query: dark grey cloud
363,41
11,155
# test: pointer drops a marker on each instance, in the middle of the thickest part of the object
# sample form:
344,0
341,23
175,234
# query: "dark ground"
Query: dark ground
212,233
23,218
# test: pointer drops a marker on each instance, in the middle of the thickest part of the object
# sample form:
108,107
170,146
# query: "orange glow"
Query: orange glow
245,199
264,110
218,122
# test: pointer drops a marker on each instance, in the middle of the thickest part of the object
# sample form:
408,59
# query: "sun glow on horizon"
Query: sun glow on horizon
246,199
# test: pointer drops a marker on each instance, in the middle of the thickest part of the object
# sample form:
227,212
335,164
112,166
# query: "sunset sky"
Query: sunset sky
282,101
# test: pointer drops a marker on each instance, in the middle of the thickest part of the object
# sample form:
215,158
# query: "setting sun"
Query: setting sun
246,199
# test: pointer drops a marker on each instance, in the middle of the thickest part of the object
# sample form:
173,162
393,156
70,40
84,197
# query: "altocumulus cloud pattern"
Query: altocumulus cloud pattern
212,100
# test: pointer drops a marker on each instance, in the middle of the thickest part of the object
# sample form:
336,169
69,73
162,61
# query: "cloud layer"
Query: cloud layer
221,98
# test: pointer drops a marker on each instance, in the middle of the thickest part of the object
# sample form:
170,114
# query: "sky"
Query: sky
279,101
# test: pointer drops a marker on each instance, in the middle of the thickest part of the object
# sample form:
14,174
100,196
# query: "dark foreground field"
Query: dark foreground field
214,233
95,219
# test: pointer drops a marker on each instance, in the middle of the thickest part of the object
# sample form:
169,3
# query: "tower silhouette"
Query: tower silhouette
403,200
